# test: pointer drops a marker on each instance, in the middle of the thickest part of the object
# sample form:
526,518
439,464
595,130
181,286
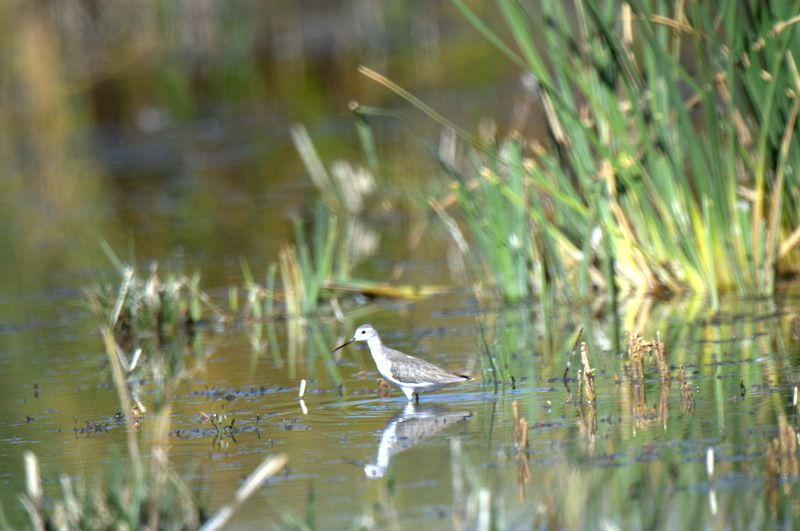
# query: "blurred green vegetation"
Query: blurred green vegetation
164,125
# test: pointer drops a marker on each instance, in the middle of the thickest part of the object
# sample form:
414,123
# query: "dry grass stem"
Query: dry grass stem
636,348
269,467
33,482
587,375
661,360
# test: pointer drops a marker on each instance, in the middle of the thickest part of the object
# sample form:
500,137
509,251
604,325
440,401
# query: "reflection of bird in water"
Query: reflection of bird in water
408,427
412,375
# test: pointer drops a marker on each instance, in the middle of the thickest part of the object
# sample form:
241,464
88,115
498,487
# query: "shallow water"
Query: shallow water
355,457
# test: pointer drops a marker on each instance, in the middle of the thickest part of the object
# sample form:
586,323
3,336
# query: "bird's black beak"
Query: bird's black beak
344,345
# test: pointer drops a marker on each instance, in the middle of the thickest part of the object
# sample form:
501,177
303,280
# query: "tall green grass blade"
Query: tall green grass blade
112,256
487,33
312,162
418,103
586,252
427,142
246,273
269,297
233,298
366,138
710,259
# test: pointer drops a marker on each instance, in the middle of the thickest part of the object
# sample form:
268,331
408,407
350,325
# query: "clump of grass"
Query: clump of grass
345,189
637,347
129,498
150,326
224,430
316,268
149,303
497,213
305,269
140,490
150,495
656,177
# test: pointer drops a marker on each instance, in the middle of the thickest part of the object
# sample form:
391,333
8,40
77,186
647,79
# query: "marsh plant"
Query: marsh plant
305,268
167,304
141,489
668,166
152,327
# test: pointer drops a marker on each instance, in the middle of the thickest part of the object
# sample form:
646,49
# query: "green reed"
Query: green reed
497,214
305,269
668,162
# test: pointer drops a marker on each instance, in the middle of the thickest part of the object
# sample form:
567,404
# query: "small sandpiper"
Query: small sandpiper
412,375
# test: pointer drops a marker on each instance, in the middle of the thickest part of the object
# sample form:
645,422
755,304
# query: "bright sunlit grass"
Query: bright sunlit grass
669,162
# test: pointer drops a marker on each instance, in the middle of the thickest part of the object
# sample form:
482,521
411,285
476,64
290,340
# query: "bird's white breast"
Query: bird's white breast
381,362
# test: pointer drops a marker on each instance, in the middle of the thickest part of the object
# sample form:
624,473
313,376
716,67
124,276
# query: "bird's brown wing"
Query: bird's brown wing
408,369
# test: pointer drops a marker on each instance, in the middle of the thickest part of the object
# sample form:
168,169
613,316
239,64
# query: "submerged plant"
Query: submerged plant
224,430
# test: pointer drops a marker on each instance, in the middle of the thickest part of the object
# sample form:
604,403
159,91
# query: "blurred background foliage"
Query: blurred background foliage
162,125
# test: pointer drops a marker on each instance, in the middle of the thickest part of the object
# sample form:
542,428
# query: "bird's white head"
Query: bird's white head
364,332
